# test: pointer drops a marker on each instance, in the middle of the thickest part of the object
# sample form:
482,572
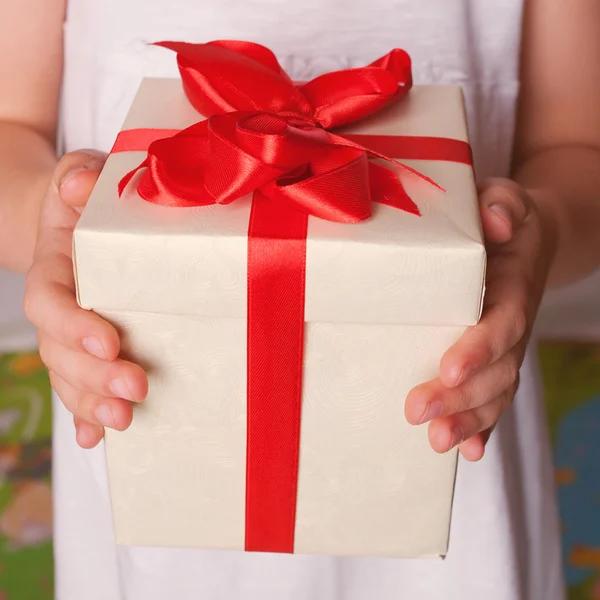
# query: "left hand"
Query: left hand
479,375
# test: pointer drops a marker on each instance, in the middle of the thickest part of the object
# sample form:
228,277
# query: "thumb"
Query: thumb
504,206
76,174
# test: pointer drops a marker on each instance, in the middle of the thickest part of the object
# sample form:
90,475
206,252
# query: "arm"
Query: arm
31,38
557,152
541,228
40,203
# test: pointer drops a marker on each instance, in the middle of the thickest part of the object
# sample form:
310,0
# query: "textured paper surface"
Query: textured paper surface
384,300
369,484
395,268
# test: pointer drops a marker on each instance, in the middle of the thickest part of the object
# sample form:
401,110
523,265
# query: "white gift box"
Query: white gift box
385,299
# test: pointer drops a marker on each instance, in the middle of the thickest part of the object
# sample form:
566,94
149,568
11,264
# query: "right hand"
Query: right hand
79,348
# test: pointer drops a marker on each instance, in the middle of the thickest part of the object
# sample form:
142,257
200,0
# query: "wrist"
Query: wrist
547,206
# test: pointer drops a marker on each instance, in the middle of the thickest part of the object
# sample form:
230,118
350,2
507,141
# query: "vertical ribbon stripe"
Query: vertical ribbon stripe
276,290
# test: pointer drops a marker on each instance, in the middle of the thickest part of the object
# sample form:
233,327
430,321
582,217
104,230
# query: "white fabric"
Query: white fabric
504,541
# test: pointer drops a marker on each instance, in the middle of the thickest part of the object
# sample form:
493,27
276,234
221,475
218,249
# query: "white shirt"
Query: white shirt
504,541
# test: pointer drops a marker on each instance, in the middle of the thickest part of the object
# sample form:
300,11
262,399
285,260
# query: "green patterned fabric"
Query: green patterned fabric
25,494
571,375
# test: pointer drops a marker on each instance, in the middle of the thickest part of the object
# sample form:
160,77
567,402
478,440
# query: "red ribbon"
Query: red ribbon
266,136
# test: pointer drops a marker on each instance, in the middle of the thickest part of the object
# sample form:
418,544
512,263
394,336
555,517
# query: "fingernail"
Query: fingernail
120,389
464,374
94,346
104,416
503,212
69,176
458,436
432,410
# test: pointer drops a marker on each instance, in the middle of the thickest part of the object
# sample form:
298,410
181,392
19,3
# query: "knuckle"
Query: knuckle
501,184
114,370
77,157
82,378
76,404
63,390
65,327
473,424
87,158
460,401
91,376
528,283
44,352
84,405
511,194
505,190
505,401
510,190
30,305
489,417
54,381
511,370
71,403
520,324
516,383
486,342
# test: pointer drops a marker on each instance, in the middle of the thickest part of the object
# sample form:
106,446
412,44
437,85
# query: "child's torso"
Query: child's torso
474,43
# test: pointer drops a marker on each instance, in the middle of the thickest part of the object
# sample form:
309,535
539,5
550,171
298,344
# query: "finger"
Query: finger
118,378
504,207
76,174
87,434
506,320
473,449
73,175
448,432
51,306
514,287
433,399
50,301
115,413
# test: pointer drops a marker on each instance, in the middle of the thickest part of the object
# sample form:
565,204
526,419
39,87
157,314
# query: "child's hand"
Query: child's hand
79,348
479,374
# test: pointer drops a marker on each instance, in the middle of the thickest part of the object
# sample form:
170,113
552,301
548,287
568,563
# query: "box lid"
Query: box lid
397,268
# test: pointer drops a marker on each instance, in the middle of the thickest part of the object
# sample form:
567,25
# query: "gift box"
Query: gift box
281,341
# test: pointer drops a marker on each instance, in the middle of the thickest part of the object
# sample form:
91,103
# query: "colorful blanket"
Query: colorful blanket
571,375
25,495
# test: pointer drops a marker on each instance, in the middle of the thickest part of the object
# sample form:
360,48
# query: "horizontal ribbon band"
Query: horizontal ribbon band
399,147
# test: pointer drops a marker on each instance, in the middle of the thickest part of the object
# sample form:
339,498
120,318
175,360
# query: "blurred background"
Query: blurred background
569,330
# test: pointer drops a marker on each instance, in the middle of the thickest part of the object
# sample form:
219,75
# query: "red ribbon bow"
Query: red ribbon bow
266,135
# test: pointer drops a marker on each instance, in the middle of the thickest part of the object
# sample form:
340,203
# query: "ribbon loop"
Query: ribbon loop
272,139
342,97
265,134
220,77
346,172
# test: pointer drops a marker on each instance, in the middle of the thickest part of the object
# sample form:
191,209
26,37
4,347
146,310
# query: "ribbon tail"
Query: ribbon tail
387,189
342,141
129,176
